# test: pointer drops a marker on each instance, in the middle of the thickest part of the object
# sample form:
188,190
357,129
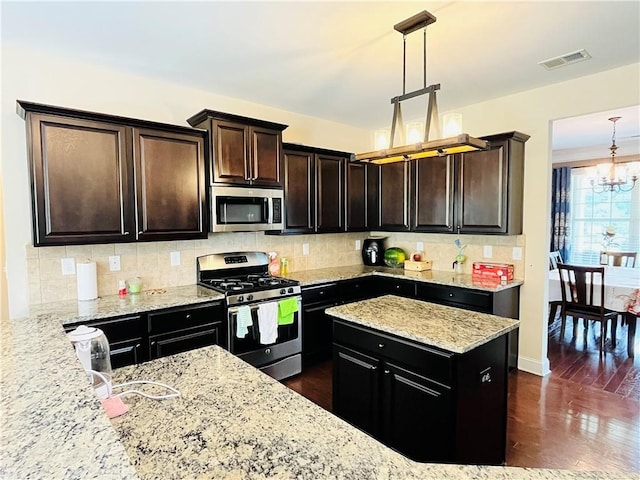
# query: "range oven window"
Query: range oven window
242,210
251,341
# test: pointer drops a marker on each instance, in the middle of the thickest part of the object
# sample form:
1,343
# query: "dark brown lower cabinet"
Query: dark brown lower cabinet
126,338
186,328
428,404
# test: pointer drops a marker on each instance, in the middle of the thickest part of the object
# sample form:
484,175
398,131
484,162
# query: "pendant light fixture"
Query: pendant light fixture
459,143
612,177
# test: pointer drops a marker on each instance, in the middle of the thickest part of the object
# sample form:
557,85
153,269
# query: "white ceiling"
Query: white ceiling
341,60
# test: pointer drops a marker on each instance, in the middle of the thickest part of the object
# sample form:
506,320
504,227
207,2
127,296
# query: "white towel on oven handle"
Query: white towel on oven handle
268,322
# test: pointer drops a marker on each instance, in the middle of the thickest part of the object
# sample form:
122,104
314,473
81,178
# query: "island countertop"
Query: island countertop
452,329
234,422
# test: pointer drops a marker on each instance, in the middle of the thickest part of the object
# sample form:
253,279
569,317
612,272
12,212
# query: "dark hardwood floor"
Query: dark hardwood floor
585,415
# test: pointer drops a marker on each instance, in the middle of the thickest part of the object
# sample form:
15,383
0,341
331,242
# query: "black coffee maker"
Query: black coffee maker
373,251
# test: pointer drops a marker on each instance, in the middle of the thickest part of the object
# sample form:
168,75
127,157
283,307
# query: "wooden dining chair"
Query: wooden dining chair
582,291
554,259
621,259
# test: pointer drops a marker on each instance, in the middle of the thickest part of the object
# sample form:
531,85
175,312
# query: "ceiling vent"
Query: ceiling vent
566,59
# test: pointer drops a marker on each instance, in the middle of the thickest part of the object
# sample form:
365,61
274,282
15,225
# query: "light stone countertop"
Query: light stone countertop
452,329
234,422
440,277
72,311
231,422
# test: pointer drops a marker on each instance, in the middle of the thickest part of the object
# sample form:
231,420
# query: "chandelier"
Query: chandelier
419,147
613,177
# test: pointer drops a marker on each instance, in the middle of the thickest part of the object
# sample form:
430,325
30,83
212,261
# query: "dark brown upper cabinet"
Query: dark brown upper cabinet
356,197
99,178
478,192
170,184
314,189
394,184
244,151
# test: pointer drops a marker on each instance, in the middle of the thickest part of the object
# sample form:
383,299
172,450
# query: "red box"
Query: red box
498,271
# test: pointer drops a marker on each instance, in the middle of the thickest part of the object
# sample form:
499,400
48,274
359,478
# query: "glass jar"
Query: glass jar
284,266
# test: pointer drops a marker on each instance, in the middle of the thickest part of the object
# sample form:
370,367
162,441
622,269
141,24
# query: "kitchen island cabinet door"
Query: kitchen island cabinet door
170,185
81,180
356,389
417,415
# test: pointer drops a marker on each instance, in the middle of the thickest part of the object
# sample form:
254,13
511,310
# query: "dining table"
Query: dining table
621,294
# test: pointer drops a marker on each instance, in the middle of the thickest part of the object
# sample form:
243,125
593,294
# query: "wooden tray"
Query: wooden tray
417,266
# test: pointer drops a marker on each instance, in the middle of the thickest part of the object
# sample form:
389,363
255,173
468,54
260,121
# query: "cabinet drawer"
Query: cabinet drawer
181,318
326,294
394,286
115,329
434,364
184,340
470,299
357,289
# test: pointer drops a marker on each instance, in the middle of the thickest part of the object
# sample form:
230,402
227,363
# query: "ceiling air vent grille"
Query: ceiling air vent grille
566,59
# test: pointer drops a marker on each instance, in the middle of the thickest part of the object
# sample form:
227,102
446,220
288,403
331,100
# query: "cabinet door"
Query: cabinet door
433,196
482,191
356,389
82,188
170,185
299,192
394,196
230,152
373,197
265,157
356,197
417,418
330,187
126,353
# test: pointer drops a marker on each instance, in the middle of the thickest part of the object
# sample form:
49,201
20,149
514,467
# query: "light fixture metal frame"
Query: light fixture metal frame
440,147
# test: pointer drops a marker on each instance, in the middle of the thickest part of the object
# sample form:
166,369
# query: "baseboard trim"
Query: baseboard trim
534,365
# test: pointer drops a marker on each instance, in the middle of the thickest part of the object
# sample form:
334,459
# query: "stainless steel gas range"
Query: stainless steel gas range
264,313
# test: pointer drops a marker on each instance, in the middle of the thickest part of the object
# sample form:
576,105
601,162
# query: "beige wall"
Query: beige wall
32,76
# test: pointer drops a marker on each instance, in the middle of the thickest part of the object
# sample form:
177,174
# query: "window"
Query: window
591,215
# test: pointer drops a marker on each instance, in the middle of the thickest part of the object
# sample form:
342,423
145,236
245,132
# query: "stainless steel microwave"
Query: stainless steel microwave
246,209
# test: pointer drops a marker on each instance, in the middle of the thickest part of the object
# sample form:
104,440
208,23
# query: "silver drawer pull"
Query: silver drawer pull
451,294
387,372
381,345
188,316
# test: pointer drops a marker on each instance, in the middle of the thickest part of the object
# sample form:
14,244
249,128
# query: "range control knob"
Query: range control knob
290,289
249,298
283,291
240,298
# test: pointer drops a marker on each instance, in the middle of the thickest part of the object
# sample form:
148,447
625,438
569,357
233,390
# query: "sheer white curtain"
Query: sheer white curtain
593,213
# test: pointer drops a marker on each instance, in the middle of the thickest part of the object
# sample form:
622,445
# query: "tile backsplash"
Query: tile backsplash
152,260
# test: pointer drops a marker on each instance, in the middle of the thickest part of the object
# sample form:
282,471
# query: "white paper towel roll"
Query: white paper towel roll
87,279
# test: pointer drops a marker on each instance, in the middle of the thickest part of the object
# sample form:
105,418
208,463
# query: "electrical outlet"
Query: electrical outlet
114,263
357,244
305,249
68,266
175,258
517,253
420,246
487,251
